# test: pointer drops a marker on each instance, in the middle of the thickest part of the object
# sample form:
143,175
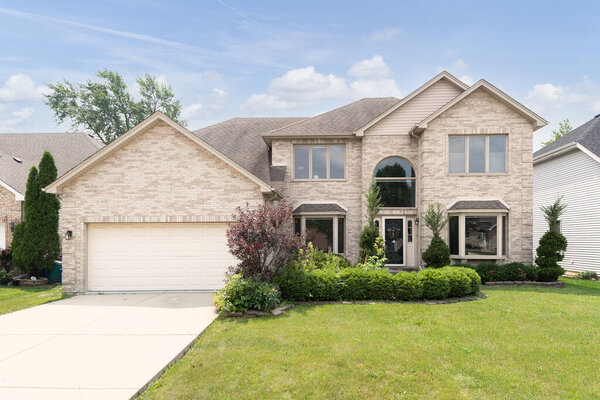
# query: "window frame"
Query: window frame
310,162
501,253
335,221
393,179
486,155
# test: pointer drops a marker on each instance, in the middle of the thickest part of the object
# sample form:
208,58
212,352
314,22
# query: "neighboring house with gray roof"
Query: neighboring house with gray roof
160,223
18,153
570,167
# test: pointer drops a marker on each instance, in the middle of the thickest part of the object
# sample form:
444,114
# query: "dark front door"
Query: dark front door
394,240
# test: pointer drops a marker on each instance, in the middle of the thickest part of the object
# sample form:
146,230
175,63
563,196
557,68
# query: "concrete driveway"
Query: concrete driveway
97,346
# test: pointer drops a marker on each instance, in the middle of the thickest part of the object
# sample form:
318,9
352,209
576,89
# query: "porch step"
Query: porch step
395,270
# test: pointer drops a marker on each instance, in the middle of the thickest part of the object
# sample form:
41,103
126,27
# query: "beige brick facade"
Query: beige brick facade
10,211
158,176
479,113
161,175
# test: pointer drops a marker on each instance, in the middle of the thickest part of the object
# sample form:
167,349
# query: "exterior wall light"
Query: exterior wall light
11,225
68,235
417,221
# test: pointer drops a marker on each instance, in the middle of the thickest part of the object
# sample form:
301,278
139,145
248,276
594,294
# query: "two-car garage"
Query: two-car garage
157,256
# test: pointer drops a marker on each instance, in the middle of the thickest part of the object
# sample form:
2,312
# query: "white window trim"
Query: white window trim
310,158
335,222
486,155
461,235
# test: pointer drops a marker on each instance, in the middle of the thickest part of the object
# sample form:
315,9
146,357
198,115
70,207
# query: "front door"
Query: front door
394,240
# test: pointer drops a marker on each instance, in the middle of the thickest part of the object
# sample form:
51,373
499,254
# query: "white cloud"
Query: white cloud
385,34
304,87
375,88
371,68
20,88
468,79
210,104
15,118
212,76
305,84
556,102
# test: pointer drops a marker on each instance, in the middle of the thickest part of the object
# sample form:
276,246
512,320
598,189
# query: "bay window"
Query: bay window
319,161
474,154
326,233
478,235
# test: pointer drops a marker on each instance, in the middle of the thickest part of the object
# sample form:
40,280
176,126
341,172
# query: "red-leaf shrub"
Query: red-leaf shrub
263,239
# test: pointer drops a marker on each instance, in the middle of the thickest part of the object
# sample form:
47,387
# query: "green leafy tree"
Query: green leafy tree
36,242
369,234
563,128
552,244
106,108
437,254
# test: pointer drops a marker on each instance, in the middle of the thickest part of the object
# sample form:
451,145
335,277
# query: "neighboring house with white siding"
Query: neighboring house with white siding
570,167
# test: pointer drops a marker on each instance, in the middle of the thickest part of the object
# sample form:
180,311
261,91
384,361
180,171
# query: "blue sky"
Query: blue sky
238,58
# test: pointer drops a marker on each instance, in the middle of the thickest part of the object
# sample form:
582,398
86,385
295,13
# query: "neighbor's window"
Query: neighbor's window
482,235
319,162
320,231
396,179
477,154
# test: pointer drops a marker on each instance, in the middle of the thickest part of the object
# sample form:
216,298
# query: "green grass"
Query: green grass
519,343
14,298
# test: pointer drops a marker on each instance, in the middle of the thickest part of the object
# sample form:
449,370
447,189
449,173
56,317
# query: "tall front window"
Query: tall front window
319,161
477,154
396,180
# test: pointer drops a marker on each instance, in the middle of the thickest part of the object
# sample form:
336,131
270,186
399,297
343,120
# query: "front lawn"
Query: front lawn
14,298
519,343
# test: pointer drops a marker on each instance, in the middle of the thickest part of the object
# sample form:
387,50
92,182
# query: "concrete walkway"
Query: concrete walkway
97,346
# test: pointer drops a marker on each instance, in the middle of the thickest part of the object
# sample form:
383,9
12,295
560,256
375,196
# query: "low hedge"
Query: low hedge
358,284
514,271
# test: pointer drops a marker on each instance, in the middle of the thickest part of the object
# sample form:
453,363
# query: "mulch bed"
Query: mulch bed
29,282
557,284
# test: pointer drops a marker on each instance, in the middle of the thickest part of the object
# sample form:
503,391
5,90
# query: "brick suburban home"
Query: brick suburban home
150,210
18,153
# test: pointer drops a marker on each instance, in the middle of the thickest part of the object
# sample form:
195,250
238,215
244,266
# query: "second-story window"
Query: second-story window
477,154
319,161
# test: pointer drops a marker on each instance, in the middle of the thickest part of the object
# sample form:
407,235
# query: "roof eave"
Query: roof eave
54,186
537,121
565,149
18,195
442,75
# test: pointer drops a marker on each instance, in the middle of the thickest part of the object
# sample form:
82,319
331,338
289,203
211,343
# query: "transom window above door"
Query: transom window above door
319,161
477,154
395,177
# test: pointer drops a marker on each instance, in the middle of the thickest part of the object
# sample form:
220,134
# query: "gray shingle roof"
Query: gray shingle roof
478,205
68,150
240,139
341,121
324,207
588,135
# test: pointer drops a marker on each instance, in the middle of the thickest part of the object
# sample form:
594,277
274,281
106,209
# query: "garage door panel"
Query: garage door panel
176,256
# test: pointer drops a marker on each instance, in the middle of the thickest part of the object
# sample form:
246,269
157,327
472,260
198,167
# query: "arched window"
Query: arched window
396,180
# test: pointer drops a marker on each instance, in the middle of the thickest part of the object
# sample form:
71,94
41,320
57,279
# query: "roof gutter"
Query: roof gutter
556,152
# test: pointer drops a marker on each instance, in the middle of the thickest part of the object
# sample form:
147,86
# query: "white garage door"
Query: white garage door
174,256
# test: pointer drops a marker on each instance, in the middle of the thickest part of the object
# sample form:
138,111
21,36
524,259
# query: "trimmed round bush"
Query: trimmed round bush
243,294
436,284
437,254
550,274
408,286
359,284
